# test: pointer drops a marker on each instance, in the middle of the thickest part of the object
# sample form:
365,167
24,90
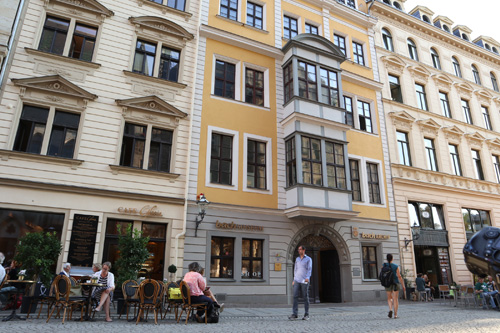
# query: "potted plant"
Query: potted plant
37,253
172,269
132,247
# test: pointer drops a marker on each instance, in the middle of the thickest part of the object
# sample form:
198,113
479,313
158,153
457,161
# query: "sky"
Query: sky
481,16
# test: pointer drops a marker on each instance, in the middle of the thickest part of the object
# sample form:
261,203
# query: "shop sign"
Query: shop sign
144,211
374,236
232,225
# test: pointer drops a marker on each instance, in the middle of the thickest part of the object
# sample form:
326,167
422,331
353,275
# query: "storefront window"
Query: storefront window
251,259
222,257
475,219
111,253
16,223
155,264
426,215
369,262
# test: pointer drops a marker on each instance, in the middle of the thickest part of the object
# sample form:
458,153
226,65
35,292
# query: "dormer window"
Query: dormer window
446,28
397,5
425,18
464,37
387,2
494,49
487,46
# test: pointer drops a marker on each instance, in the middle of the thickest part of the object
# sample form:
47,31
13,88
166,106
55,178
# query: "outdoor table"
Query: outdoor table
89,299
13,315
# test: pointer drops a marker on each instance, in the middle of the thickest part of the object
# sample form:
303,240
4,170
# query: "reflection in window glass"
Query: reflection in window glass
426,215
438,220
222,257
251,259
369,262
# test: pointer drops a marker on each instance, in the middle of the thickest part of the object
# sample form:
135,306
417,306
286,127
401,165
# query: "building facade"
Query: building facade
289,147
442,102
95,127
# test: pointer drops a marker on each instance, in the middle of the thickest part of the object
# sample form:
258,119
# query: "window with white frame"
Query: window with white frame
466,109
455,160
403,148
364,117
431,154
335,165
486,117
373,183
290,27
145,56
412,50
494,83
395,87
478,168
355,179
254,86
456,67
387,39
496,166
311,29
257,163
255,15
435,59
349,115
340,42
475,73
229,9
307,80
222,158
445,104
329,86
421,97
358,54
176,4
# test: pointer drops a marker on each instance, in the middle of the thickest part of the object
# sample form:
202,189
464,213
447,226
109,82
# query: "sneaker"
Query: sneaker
306,317
221,307
293,317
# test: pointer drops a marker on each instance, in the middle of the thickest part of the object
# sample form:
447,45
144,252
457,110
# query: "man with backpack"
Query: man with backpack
391,279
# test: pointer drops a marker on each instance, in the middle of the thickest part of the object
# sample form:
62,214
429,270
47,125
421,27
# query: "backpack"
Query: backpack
213,316
386,276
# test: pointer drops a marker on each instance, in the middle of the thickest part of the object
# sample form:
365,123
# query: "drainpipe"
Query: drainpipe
190,131
372,2
12,38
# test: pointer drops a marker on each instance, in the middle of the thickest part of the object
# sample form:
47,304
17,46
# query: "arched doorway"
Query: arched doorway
325,286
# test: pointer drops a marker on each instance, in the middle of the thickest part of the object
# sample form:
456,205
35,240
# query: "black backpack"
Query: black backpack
213,316
386,276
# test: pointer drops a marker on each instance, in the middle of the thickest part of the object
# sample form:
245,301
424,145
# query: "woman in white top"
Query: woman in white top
104,294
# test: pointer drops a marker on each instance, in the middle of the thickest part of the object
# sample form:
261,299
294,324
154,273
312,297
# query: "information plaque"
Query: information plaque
83,235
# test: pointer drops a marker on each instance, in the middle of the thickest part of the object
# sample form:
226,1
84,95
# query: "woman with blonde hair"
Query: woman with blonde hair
104,294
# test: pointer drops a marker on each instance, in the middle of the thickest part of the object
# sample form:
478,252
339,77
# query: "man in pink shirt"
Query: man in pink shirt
197,285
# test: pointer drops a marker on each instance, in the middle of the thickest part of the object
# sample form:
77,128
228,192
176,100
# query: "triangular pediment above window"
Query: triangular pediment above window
475,140
160,25
494,145
394,64
429,126
483,96
453,133
464,89
151,104
91,6
442,81
54,84
419,73
402,120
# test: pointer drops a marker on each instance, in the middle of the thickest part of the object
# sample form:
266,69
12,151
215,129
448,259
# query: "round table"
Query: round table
89,298
13,315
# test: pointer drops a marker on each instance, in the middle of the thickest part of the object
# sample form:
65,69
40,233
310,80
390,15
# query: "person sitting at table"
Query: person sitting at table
207,292
481,288
11,271
428,287
66,269
96,267
420,283
197,285
104,294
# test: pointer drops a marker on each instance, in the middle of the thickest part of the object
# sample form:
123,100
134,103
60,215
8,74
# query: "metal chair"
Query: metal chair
187,305
63,300
444,293
148,294
129,296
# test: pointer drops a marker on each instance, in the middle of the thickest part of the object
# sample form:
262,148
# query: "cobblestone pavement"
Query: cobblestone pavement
361,317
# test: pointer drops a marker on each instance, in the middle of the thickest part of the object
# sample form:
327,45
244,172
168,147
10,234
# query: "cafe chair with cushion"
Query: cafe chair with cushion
49,299
174,300
160,301
148,295
187,305
129,296
63,299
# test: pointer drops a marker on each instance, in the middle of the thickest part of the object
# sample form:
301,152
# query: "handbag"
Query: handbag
174,293
75,291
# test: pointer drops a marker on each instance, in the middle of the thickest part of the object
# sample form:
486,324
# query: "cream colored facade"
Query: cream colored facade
439,253
112,171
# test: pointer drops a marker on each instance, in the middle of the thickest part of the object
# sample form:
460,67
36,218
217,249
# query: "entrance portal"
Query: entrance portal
325,279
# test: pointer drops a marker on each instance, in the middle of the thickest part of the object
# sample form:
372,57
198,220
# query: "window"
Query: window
364,115
467,114
387,39
464,36
475,219
291,162
288,78
32,131
224,79
254,15
54,36
403,148
133,146
496,166
160,151
335,165
494,49
373,183
445,104
395,87
487,46
290,27
254,87
311,161
435,59
421,98
456,67
355,180
446,28
426,215
222,257
397,5
370,271
256,164
357,53
329,87
229,9
144,60
455,160
156,247
221,159
340,42
387,2
307,81
478,169
494,83
251,259
177,4
431,154
486,116
349,120
412,50
311,29
169,64
425,18
350,3
475,73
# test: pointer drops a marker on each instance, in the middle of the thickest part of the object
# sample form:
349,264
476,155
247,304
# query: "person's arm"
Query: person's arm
111,281
309,269
400,279
201,283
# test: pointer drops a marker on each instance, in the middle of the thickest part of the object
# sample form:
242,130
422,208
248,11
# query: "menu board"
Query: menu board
444,264
82,245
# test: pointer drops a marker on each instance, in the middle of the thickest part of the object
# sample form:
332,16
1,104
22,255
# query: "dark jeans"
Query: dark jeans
202,299
300,289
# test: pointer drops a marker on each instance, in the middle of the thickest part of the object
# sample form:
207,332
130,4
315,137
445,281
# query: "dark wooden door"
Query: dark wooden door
330,277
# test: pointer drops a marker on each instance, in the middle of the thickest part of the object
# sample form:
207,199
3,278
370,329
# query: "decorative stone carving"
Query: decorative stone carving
92,6
151,105
475,140
483,96
53,98
394,64
419,73
402,120
464,90
443,82
453,134
494,145
429,127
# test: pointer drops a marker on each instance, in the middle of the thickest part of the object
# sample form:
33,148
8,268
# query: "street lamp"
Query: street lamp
415,234
202,203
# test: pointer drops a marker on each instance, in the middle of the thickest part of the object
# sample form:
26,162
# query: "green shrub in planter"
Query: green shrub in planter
132,246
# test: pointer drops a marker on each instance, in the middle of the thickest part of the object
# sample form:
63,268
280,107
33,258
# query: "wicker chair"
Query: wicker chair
129,296
148,295
172,303
63,300
187,305
48,299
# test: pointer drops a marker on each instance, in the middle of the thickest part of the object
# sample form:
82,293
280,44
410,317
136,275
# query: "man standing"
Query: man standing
301,275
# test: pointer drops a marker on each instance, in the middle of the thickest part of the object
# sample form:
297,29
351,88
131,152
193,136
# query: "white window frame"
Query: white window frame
365,196
363,46
237,78
240,9
264,14
355,114
294,16
378,246
347,42
234,170
269,165
243,80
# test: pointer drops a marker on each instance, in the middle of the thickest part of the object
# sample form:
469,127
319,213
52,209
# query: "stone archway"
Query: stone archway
324,237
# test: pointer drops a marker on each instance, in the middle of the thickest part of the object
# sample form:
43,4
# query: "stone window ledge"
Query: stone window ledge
5,155
130,170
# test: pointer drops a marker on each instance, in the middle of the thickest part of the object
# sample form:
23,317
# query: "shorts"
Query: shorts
394,287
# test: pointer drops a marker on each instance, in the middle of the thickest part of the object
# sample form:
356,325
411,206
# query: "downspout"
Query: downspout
188,167
372,2
12,38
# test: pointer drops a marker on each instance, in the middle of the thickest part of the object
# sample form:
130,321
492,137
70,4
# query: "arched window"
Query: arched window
446,28
387,38
397,5
464,36
487,46
435,59
412,50
494,82
494,49
456,67
475,73
387,2
425,18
